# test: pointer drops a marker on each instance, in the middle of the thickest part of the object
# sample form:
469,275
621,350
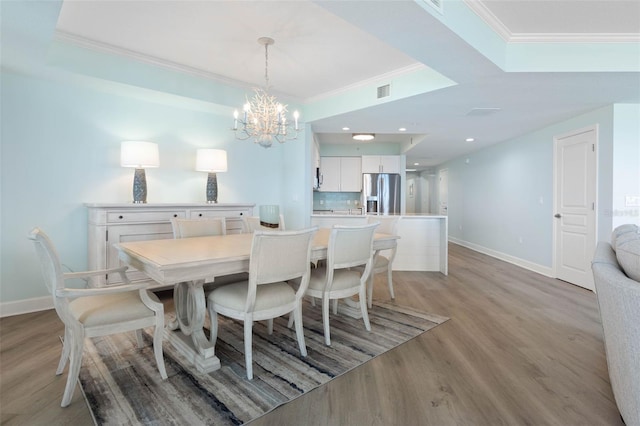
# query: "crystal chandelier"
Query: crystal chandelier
264,118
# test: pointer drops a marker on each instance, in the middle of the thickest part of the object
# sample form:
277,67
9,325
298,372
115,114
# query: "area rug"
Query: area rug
122,385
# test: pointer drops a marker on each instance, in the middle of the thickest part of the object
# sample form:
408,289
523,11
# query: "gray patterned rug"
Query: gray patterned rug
123,387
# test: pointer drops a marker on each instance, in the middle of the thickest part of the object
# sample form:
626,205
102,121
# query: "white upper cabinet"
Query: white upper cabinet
340,174
382,164
351,174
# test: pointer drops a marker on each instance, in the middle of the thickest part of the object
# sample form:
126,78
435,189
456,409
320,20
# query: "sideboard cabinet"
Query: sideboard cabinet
116,223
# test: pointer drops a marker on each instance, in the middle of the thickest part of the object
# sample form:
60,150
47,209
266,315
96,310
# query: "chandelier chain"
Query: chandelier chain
266,66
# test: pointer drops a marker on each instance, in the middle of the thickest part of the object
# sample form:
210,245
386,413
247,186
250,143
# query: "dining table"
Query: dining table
187,262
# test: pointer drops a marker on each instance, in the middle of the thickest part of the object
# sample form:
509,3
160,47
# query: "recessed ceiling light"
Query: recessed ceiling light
402,129
469,139
410,170
363,136
416,164
345,128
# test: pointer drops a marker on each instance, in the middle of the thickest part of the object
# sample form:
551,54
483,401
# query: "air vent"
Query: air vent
383,91
436,4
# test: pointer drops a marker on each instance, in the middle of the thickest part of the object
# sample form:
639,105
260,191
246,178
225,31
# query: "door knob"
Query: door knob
557,215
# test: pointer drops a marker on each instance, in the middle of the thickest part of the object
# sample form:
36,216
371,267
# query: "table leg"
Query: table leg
190,304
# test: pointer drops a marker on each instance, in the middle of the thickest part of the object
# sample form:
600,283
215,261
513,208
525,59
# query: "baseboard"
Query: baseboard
540,269
27,306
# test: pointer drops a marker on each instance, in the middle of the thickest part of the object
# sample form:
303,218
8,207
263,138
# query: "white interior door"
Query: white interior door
575,209
443,192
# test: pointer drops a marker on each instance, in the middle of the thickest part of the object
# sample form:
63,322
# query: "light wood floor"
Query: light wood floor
519,349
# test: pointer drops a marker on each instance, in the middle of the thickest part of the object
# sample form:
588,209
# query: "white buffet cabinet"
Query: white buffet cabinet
422,245
117,223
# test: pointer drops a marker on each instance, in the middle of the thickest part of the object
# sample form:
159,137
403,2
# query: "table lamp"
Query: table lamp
211,161
140,155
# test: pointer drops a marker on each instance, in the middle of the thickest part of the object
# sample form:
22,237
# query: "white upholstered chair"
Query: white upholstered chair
383,261
92,312
252,223
187,228
276,257
349,247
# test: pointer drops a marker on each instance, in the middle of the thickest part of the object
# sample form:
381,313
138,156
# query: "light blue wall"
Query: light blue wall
503,194
626,160
60,149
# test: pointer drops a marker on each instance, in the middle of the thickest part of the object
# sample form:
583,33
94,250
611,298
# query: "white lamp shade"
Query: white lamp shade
211,160
139,154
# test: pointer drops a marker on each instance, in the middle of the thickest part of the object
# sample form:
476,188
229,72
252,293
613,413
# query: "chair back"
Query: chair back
388,224
350,246
279,256
50,267
252,224
187,228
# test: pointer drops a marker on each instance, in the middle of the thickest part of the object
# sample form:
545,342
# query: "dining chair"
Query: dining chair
349,247
276,257
383,261
187,228
252,223
97,311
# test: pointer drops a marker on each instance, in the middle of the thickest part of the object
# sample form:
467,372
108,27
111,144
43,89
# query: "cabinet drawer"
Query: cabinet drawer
218,213
151,216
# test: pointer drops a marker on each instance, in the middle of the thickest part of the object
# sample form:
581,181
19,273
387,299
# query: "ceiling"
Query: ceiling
324,48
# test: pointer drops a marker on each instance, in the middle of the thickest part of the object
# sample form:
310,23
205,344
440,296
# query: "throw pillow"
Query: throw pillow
622,229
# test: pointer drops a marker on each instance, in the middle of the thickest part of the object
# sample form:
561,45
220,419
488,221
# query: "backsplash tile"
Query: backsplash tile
336,200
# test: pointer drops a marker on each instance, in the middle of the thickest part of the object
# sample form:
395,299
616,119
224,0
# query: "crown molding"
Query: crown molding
499,28
101,47
489,18
574,38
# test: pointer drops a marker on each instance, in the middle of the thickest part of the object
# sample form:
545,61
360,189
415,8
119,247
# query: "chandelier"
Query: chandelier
264,118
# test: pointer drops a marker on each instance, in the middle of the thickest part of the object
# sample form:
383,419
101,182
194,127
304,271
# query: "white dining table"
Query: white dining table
187,262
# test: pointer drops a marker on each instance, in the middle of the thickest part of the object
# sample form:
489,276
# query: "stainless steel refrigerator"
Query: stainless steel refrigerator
381,193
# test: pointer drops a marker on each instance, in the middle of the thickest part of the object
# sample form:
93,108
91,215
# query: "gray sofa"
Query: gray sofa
616,271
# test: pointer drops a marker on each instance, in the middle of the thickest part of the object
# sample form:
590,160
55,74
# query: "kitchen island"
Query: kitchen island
423,239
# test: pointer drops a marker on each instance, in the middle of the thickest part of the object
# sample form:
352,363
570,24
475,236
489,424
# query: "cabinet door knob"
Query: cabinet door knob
200,214
120,217
175,215
241,213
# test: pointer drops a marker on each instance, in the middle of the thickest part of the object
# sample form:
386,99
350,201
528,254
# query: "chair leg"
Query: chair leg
390,281
290,323
74,365
66,349
335,306
248,358
370,289
297,312
363,308
213,330
139,338
270,326
158,334
325,320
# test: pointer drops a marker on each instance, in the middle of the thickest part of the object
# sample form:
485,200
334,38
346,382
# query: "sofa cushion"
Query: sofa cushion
620,230
628,254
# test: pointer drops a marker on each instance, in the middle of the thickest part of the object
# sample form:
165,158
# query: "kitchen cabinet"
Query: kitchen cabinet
382,164
340,174
116,223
